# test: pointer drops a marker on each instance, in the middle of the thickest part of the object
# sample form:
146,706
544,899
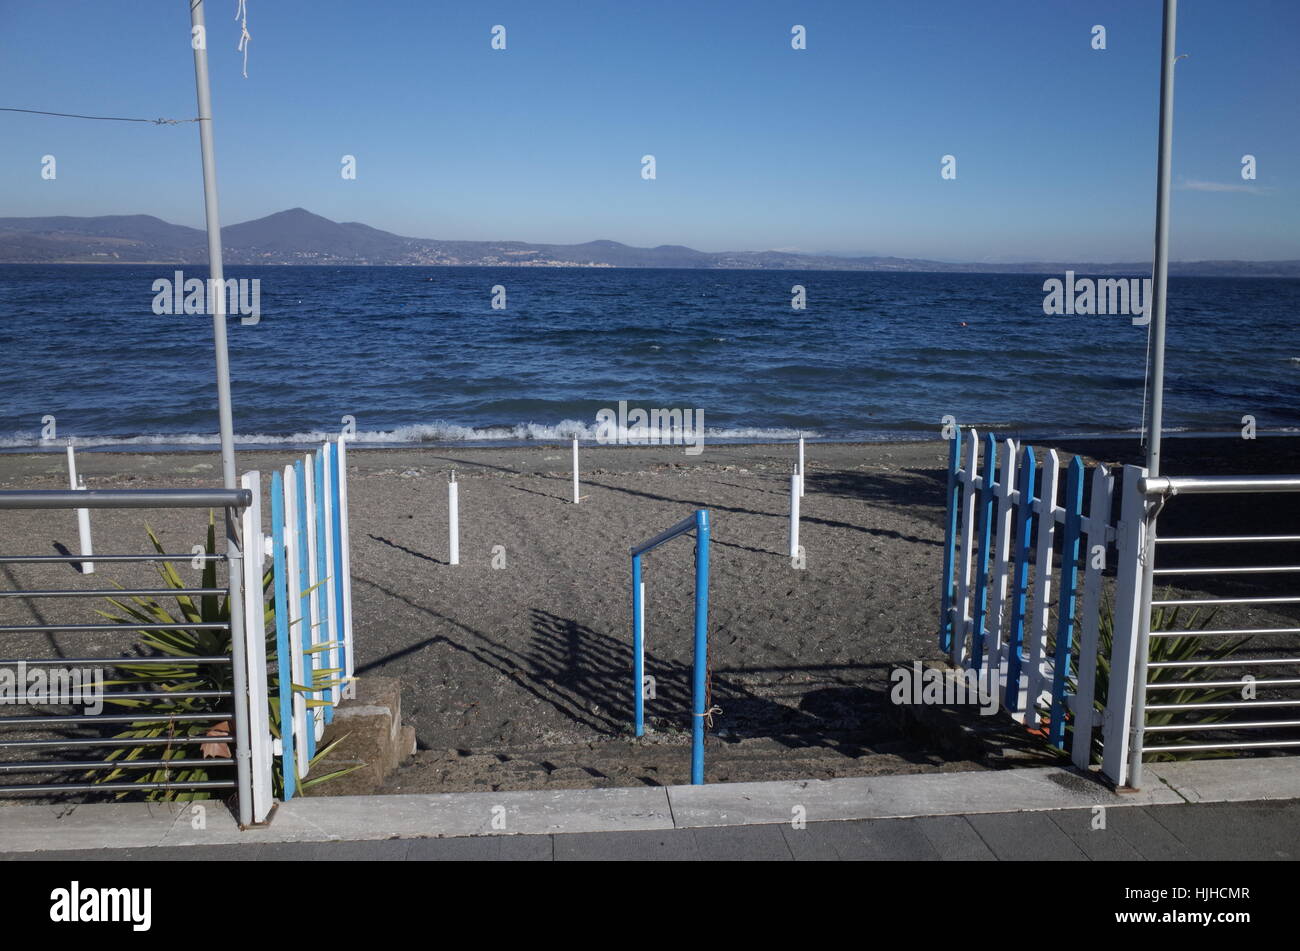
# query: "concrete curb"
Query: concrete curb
545,812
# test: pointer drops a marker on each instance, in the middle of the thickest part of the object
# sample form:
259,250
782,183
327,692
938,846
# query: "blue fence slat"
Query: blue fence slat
288,765
950,544
1065,610
985,532
322,569
1020,575
307,634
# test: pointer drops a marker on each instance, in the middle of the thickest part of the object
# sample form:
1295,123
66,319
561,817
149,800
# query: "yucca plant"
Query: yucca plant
1173,648
188,675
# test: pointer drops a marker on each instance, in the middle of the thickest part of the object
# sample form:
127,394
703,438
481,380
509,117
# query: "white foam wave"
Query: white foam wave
437,432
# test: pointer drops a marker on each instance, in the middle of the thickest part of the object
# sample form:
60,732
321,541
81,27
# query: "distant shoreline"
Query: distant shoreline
1023,270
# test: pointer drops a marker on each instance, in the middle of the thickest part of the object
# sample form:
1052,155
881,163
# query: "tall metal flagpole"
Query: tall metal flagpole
217,302
1159,284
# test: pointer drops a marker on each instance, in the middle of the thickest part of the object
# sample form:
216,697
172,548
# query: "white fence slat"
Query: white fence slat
1086,681
345,547
1128,607
313,634
332,634
1036,630
259,720
994,646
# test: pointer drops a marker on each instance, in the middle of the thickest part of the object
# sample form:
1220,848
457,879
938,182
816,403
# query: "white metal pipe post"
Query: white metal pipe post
795,481
1159,286
83,515
575,470
217,304
453,521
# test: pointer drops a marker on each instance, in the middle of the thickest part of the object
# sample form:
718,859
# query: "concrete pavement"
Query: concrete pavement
1242,808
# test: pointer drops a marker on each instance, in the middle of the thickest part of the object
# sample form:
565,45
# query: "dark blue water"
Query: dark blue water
419,355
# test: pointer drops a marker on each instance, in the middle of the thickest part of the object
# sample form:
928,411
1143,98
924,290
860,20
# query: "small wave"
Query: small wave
438,432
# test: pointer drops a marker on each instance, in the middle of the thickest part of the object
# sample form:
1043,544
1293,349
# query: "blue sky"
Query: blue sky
836,147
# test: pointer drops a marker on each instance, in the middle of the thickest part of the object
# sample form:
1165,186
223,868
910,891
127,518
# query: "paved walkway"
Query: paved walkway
1215,809
1209,831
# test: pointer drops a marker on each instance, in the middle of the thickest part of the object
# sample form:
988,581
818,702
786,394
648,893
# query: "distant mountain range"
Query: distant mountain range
299,237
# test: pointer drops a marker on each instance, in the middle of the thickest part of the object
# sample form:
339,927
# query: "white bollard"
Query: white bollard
83,515
795,481
453,520
801,469
575,470
83,529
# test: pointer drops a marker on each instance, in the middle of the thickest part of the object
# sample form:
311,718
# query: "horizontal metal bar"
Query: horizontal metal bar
685,525
108,696
118,741
134,626
59,766
1272,569
110,592
1221,632
1217,485
126,499
117,787
1209,684
1223,539
1226,725
111,695
1192,747
1191,601
114,661
1258,662
1223,706
102,718
71,559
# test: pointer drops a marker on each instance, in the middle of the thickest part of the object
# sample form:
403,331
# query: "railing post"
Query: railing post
259,719
700,691
638,646
1124,641
238,668
1137,728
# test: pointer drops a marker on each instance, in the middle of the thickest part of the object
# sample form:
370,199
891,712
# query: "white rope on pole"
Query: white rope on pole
241,13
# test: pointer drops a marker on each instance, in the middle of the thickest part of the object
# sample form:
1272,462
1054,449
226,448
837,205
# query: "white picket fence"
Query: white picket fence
1002,578
311,599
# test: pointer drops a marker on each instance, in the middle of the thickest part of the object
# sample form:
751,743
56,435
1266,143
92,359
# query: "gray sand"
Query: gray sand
538,654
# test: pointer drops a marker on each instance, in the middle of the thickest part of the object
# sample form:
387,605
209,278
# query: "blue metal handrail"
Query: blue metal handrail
698,523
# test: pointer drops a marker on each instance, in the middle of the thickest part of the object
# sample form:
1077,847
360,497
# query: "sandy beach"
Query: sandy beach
537,654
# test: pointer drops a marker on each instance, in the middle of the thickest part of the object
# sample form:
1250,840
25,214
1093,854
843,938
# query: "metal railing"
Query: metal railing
234,502
1159,492
699,524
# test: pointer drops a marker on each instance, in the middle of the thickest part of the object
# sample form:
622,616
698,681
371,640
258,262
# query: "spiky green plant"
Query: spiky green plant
188,675
1175,647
